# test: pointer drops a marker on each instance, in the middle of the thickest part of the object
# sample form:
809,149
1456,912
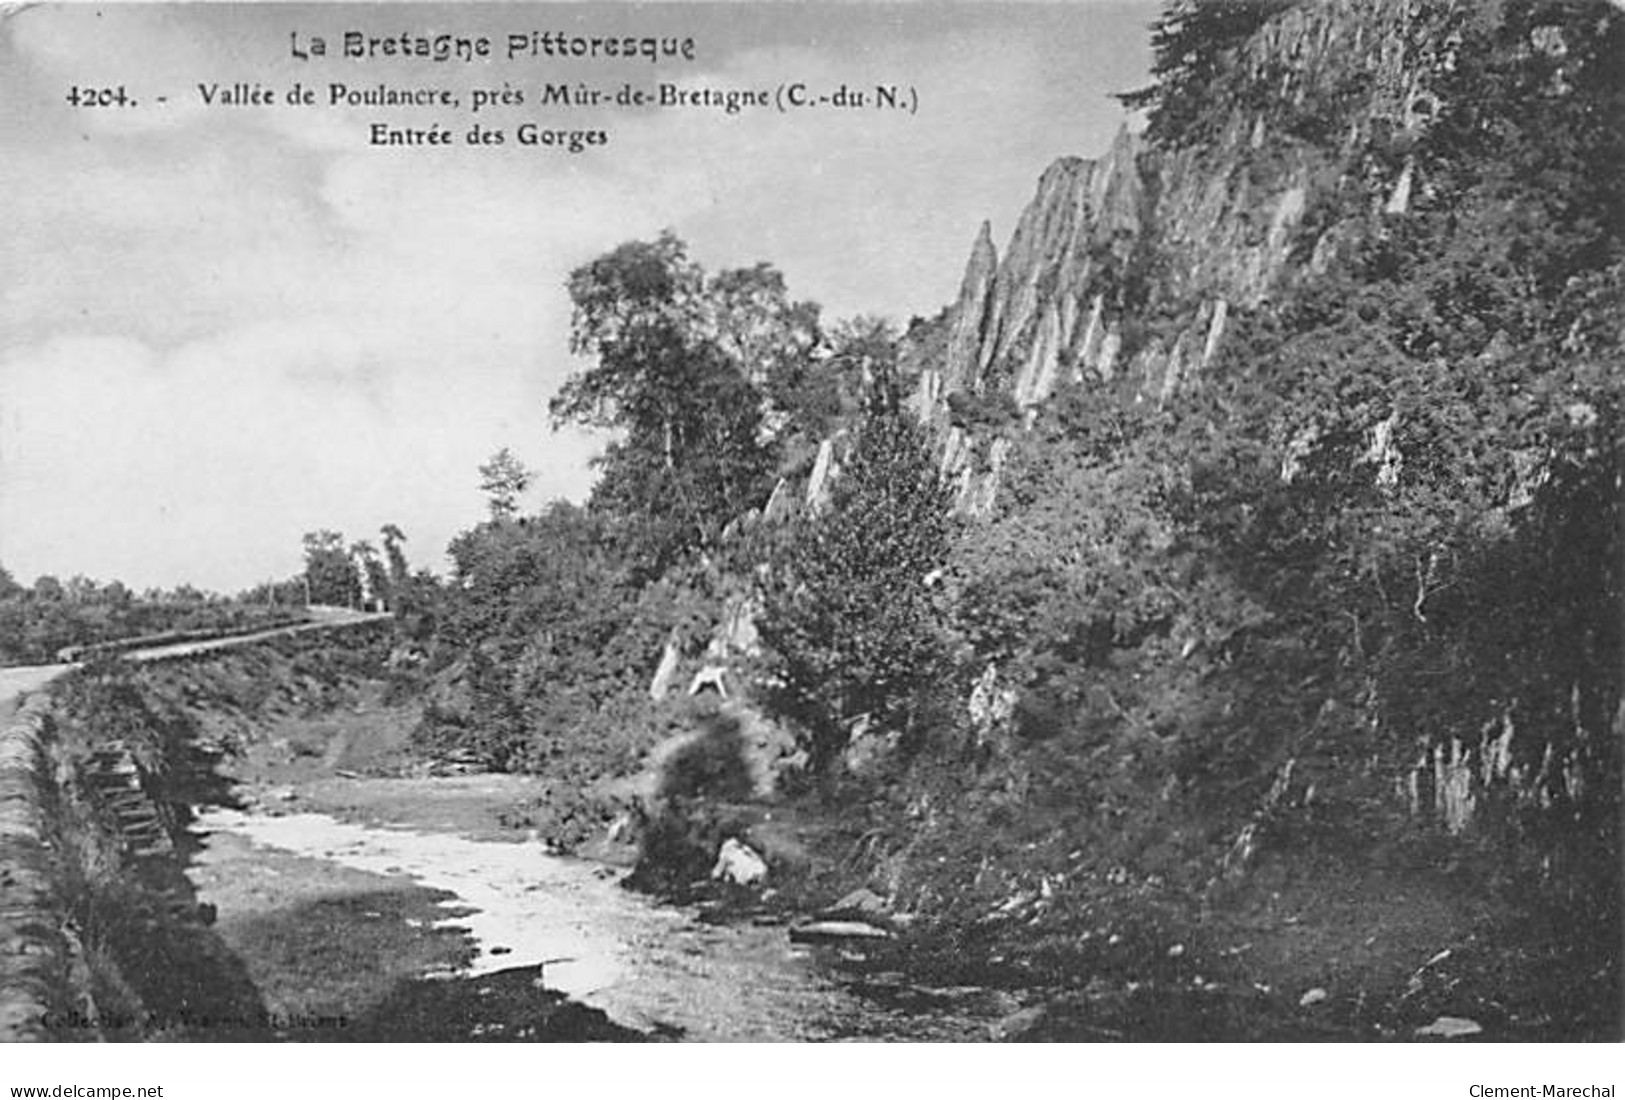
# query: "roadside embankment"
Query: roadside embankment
39,957
101,936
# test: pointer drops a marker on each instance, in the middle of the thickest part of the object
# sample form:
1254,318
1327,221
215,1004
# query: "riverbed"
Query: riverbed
421,905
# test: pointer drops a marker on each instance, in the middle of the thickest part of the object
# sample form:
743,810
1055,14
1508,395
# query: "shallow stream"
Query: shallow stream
649,967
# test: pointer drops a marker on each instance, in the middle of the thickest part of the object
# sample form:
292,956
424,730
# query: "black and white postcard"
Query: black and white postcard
800,523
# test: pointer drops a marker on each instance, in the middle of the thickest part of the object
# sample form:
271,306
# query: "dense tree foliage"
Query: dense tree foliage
851,614
681,362
547,614
331,576
1193,42
558,619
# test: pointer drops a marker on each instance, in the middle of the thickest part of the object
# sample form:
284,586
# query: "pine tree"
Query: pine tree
850,612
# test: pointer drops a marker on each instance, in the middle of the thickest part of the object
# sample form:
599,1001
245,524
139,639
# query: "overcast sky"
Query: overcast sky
221,327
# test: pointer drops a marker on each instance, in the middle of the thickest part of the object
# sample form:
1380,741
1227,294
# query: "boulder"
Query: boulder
738,865
1450,1027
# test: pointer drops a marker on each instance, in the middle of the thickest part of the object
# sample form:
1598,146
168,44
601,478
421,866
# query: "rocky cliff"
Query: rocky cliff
1128,267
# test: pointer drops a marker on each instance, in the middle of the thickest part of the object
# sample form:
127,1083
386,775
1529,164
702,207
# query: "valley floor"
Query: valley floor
332,853
367,907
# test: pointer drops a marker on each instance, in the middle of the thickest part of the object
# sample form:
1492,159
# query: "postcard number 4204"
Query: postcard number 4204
99,97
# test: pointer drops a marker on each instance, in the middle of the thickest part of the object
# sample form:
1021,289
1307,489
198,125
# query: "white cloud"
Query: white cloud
118,460
74,44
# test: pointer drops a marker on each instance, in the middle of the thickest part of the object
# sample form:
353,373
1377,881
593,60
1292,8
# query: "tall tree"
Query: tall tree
504,479
675,355
850,613
393,538
330,574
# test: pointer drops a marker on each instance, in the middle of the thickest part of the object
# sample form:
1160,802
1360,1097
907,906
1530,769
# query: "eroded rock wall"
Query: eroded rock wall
1130,267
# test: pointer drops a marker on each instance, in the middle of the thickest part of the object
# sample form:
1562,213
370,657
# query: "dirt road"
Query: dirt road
17,681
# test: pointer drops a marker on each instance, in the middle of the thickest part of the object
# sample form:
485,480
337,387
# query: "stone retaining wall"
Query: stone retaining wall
36,952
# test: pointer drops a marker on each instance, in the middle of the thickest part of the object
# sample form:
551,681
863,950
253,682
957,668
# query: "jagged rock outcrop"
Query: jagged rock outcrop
972,313
825,467
1134,263
1077,229
1019,323
1131,268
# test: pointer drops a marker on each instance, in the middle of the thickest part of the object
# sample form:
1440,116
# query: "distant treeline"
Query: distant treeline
54,620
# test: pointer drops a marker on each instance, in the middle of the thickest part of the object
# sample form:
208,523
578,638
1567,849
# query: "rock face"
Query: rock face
971,314
1076,230
666,671
1017,324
